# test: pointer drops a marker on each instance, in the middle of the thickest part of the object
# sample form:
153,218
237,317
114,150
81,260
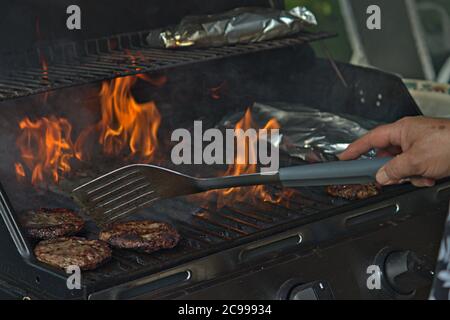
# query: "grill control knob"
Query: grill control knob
293,289
299,293
405,272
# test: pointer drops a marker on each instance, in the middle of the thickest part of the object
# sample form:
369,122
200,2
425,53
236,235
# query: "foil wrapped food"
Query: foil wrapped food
307,133
241,25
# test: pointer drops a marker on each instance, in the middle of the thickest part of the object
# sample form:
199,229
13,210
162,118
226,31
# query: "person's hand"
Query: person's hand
421,146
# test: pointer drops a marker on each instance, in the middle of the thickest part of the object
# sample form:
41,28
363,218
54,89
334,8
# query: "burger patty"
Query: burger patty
147,236
73,251
353,192
51,223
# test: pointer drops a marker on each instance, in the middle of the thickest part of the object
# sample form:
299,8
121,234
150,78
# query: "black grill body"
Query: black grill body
265,251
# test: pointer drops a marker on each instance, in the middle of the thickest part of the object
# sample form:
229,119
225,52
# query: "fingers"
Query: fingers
423,182
412,141
401,169
382,137
395,171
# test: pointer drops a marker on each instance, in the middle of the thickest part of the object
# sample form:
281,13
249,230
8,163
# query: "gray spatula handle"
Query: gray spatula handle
321,174
332,173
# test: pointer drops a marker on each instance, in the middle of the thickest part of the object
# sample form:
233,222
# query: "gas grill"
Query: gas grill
307,246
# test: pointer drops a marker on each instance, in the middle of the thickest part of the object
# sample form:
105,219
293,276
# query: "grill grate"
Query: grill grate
208,228
71,64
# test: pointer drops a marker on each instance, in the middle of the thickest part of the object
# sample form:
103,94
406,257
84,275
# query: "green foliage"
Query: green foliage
328,15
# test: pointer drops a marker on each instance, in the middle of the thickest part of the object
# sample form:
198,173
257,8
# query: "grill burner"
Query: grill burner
72,64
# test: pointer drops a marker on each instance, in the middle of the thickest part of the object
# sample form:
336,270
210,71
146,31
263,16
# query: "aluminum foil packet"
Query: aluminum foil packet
241,25
307,133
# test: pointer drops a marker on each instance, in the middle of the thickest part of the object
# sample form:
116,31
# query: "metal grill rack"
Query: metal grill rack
71,64
209,228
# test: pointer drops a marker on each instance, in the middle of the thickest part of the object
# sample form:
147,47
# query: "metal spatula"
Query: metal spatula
121,192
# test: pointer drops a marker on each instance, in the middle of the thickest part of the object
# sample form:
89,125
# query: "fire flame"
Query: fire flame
217,92
42,59
126,123
126,126
126,129
45,146
44,67
135,59
256,194
20,171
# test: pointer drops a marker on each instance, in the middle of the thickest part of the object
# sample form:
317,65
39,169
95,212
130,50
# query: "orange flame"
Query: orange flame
126,123
242,165
217,92
44,67
20,171
135,59
42,59
46,148
126,126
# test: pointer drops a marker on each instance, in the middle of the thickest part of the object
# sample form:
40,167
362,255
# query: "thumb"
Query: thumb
396,170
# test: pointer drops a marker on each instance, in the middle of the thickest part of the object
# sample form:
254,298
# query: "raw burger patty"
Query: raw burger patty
353,192
73,251
147,236
51,223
